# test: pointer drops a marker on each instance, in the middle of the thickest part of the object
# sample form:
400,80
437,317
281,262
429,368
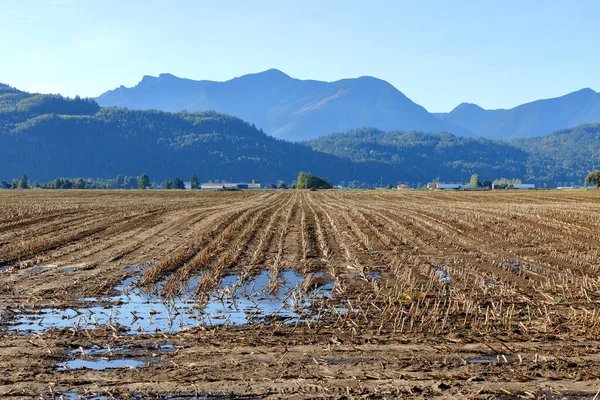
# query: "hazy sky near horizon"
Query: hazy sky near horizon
439,53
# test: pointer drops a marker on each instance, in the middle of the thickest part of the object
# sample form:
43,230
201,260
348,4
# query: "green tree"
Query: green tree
389,186
255,181
143,181
475,180
23,182
593,178
194,181
177,183
307,180
281,185
120,181
79,183
15,184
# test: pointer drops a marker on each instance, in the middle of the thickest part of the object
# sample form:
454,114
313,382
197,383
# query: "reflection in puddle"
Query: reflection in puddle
125,349
100,365
491,284
501,358
139,396
5,267
135,311
444,277
34,271
513,265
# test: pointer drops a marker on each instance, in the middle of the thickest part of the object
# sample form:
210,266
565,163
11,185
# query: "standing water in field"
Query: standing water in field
135,311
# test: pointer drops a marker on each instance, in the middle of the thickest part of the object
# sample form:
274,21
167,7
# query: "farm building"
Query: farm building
212,186
449,186
444,186
230,186
471,187
402,186
524,186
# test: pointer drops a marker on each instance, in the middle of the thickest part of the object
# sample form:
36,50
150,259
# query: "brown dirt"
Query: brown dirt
519,317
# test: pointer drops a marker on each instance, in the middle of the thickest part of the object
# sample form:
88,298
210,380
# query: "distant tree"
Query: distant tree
487,184
177,183
389,186
15,184
255,181
593,178
194,181
120,181
79,183
166,184
36,184
307,180
281,185
23,182
130,182
5,185
475,180
143,181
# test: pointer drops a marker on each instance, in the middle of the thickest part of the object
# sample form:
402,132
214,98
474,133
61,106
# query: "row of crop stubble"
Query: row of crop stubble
523,263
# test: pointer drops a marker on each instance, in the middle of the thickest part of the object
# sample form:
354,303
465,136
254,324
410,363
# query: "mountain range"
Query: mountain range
528,120
284,107
49,136
298,110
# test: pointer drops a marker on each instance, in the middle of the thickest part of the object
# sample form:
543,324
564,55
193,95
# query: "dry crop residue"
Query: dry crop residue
299,294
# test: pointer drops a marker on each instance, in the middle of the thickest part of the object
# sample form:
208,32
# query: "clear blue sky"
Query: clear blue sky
497,54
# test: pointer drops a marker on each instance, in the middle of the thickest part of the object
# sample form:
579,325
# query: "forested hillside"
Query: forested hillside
563,156
48,136
567,155
426,154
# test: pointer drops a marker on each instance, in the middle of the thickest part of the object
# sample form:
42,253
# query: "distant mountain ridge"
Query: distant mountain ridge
297,110
285,107
534,119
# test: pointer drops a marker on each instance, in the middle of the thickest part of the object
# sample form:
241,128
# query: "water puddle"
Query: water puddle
501,358
444,277
138,396
6,267
100,364
143,349
513,265
491,284
135,311
374,276
34,271
67,269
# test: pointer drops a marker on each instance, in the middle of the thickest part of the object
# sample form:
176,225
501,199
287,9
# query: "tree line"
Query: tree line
305,180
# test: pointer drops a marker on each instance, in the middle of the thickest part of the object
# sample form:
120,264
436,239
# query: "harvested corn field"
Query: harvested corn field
374,294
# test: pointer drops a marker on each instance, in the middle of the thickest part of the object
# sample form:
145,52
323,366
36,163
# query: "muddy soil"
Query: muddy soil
299,295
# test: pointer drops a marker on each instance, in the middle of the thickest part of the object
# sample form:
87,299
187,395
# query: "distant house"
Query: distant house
402,186
444,186
471,187
229,185
523,186
212,186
